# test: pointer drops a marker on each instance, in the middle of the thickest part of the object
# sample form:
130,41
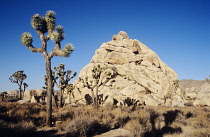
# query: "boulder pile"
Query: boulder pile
138,76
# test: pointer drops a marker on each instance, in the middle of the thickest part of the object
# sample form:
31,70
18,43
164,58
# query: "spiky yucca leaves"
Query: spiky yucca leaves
50,19
58,35
26,39
44,23
69,48
18,77
37,21
63,77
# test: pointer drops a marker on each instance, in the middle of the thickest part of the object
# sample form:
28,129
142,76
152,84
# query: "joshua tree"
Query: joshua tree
18,77
97,80
69,89
64,77
46,29
3,95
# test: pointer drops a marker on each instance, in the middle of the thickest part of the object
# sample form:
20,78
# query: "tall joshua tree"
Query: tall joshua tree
64,77
18,77
46,29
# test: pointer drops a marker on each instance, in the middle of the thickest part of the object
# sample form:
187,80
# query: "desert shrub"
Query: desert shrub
87,121
23,126
64,115
135,127
22,129
138,126
204,132
121,121
82,127
14,113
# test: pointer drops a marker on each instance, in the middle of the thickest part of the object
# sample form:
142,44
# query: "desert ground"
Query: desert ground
28,119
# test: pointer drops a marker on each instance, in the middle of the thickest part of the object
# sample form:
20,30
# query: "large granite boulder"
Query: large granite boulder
137,73
33,95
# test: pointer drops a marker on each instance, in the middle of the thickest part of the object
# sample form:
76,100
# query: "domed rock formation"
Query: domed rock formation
137,75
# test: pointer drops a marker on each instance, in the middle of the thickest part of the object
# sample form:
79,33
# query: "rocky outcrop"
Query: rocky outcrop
137,74
13,93
197,91
33,95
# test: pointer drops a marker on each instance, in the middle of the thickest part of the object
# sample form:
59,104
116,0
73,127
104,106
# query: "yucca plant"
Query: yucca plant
18,77
46,29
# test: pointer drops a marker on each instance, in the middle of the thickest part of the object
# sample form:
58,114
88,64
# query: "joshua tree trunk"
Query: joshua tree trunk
96,102
49,92
21,92
61,97
70,98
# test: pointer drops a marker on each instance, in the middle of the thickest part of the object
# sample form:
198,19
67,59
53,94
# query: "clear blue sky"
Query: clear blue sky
177,30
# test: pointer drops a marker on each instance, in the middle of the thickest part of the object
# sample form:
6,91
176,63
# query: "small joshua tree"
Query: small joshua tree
18,77
70,89
46,29
96,81
63,77
3,95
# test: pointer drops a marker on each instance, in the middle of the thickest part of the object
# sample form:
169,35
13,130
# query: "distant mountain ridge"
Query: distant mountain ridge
198,91
187,83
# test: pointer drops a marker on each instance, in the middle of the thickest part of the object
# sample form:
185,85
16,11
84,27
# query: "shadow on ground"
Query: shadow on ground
170,117
10,132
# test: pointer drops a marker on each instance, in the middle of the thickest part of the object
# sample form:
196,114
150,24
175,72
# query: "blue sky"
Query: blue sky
177,30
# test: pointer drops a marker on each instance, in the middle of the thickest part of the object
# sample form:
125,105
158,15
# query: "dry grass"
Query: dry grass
17,119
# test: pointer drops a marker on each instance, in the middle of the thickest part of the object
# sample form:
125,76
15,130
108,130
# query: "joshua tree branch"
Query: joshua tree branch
50,31
56,52
56,83
33,49
42,38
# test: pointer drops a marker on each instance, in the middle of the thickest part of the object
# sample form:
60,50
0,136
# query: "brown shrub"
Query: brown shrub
82,127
